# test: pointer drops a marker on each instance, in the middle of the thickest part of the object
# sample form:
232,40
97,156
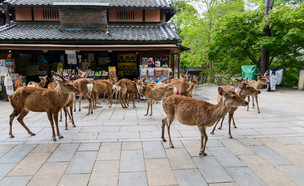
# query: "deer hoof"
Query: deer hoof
134,107
33,134
211,132
259,112
150,115
74,126
235,127
203,154
12,136
219,128
60,137
146,114
164,140
172,146
60,120
66,128
231,137
54,139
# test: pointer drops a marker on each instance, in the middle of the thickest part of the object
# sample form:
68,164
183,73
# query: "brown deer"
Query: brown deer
36,99
113,81
85,88
101,86
198,113
131,89
243,90
185,88
123,93
154,91
262,80
43,80
69,105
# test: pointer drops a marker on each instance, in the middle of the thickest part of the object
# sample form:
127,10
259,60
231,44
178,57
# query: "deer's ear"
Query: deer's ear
135,80
221,91
144,80
241,84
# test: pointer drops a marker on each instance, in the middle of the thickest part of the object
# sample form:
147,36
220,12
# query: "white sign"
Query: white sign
72,60
70,52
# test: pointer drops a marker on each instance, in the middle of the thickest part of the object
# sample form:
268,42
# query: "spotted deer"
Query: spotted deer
101,86
131,89
262,80
243,90
37,99
185,88
198,113
42,83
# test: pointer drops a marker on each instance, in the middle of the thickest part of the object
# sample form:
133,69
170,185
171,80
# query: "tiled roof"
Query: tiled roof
158,33
112,3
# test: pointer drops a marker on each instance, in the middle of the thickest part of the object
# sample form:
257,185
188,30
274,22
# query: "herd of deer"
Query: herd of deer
61,93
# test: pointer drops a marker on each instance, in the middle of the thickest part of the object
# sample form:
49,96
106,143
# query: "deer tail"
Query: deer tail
90,87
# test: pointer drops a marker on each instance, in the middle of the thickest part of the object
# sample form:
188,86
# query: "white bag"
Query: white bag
8,82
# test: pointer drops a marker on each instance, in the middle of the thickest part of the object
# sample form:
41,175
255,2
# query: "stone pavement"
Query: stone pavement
123,147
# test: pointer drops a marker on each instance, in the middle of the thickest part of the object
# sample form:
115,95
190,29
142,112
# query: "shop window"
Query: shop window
46,14
125,15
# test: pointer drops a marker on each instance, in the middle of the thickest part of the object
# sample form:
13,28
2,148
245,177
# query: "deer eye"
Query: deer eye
234,97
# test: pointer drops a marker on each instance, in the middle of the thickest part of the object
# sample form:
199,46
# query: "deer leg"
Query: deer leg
20,119
257,102
12,116
151,107
104,97
74,104
94,99
221,126
138,97
212,132
164,122
60,120
229,123
116,94
203,142
50,116
252,101
110,96
169,122
66,119
80,98
128,97
148,101
86,96
133,99
248,103
72,117
233,121
56,123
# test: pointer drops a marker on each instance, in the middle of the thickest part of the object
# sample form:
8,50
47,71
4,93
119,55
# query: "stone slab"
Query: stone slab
17,154
194,146
205,164
245,176
74,180
15,181
64,152
30,164
132,161
5,148
131,146
293,172
105,173
153,149
82,163
5,169
109,151
225,157
45,148
89,147
236,147
49,174
269,155
265,170
157,177
132,178
191,177
180,159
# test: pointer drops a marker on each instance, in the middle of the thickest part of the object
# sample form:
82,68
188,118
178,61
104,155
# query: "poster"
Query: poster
2,63
2,71
72,60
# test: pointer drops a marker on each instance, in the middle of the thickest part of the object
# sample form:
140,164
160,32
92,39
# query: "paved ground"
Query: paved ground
122,147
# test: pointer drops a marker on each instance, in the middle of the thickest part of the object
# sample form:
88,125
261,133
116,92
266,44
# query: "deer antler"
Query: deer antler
266,73
239,80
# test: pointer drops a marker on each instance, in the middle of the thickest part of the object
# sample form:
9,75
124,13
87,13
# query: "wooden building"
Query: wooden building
93,34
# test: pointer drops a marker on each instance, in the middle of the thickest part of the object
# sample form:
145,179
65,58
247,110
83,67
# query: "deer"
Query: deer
101,86
38,99
154,91
262,80
42,83
131,89
69,105
202,114
122,93
185,88
243,90
113,81
85,88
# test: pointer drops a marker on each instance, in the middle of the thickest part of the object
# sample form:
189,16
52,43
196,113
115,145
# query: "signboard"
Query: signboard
72,60
83,19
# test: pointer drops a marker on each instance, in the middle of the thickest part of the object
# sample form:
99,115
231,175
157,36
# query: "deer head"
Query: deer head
140,84
82,74
63,84
263,79
231,99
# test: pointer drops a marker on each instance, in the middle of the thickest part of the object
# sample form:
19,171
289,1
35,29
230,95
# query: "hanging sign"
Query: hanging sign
72,60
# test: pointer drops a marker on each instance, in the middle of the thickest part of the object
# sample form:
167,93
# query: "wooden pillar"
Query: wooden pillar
6,11
177,62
